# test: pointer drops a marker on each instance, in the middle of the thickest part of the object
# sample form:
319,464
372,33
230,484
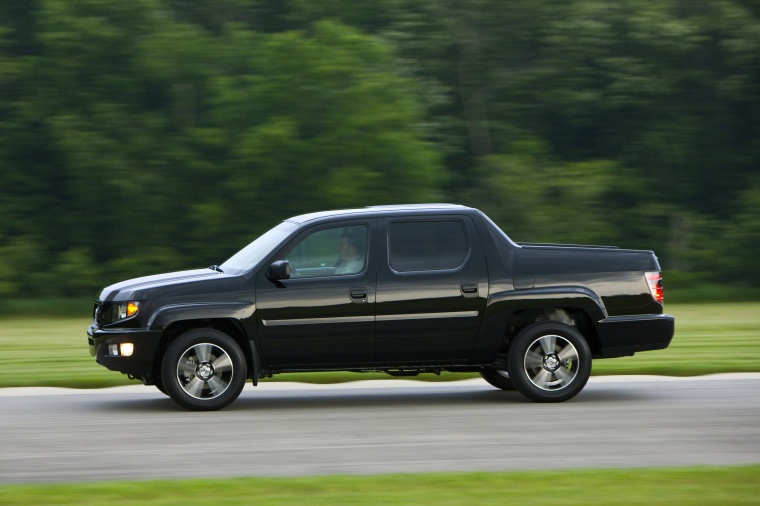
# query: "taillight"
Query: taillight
654,280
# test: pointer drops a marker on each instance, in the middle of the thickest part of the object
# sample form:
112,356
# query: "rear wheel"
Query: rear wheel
203,370
549,362
498,378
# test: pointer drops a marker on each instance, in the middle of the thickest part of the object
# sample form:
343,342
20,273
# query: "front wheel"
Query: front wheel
203,370
549,362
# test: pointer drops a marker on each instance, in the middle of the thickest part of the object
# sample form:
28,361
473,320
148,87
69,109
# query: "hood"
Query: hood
140,288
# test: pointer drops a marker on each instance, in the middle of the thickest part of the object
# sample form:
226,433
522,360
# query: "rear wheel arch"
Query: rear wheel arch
573,316
576,318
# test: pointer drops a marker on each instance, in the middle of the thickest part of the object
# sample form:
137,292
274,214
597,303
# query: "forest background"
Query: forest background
155,135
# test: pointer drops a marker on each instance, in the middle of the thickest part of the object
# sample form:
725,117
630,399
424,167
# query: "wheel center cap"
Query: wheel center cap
551,362
204,371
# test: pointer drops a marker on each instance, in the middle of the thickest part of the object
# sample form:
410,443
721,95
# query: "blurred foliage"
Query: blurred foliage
157,135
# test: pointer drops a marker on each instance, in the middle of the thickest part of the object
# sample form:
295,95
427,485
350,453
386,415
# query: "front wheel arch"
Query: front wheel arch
231,327
549,362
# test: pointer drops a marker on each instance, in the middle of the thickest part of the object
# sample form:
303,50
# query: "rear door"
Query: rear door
431,291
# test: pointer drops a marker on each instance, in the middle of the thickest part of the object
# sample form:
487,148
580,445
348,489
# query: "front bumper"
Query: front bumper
622,336
140,364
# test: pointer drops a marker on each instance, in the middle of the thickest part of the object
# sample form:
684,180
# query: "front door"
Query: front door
323,316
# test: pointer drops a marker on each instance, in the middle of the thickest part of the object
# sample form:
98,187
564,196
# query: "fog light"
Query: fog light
113,350
127,349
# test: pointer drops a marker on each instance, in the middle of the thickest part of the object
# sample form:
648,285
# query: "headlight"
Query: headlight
127,309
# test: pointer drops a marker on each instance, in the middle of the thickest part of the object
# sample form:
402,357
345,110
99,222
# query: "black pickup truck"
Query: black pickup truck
399,289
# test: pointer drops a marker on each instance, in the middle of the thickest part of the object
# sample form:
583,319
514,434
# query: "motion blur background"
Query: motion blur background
153,135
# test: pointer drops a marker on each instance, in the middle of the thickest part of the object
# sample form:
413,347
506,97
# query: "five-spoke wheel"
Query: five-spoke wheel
549,362
203,369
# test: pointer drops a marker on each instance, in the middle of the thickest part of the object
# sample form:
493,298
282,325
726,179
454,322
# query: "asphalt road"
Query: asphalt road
54,435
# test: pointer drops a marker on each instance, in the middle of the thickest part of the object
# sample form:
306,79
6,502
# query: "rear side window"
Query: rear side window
427,245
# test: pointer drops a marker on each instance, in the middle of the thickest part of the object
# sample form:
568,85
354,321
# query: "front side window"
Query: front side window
330,252
427,245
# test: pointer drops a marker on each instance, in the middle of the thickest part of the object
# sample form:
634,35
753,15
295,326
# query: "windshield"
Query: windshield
248,257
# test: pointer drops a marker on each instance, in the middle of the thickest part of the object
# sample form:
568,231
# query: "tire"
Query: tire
160,386
549,362
203,370
498,378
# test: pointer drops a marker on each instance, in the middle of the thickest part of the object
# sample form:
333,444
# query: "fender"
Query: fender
171,313
550,296
502,305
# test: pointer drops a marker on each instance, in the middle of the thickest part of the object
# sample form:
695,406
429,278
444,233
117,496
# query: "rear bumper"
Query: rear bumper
139,364
622,336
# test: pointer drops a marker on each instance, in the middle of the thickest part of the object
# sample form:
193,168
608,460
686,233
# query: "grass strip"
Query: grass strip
734,485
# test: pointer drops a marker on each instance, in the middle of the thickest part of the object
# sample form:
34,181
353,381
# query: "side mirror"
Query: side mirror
279,270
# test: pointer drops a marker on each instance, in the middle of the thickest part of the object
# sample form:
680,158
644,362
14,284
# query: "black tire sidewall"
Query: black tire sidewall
160,386
519,346
175,351
494,378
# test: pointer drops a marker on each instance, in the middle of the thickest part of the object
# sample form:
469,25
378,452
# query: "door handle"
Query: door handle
469,288
358,294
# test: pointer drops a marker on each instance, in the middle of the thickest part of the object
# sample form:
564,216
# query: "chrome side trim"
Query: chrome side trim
365,319
314,321
426,316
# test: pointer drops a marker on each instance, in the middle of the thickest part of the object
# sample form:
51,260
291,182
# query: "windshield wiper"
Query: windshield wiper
216,268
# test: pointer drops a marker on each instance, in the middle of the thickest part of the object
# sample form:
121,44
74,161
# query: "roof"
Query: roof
378,210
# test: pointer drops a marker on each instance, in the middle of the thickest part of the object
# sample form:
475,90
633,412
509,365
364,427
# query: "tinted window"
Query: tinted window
330,252
427,245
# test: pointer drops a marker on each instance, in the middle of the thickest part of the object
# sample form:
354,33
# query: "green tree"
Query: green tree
141,142
156,134
313,120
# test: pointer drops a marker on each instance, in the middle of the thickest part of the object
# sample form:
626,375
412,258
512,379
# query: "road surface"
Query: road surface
368,427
